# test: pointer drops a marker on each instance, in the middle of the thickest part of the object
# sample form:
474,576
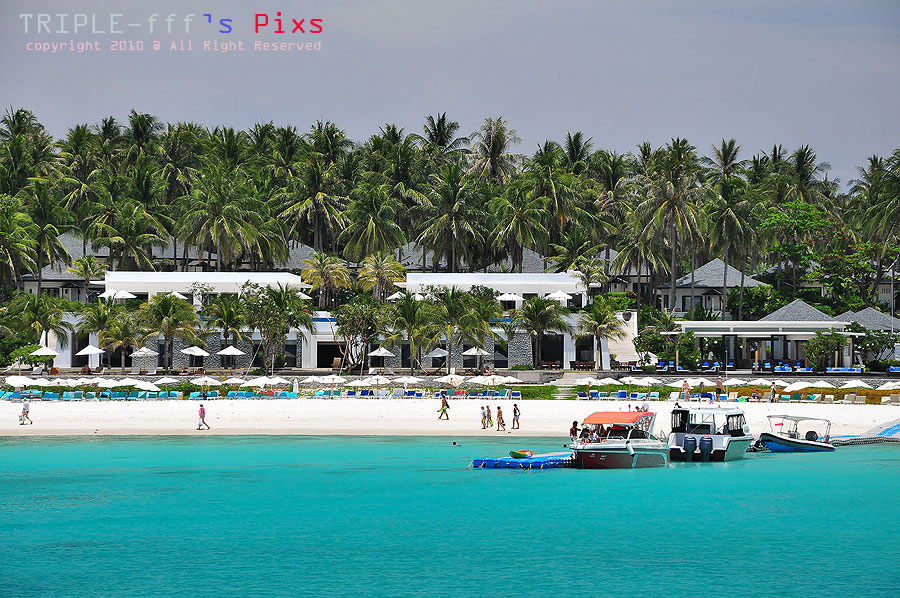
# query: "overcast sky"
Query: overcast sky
822,72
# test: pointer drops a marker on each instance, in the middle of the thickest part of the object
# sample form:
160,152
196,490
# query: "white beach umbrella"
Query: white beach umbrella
759,382
206,381
418,296
510,297
629,380
123,295
378,380
331,379
780,382
854,384
799,385
438,352
17,381
128,381
144,385
676,384
107,383
588,382
651,380
310,380
381,352
178,295
195,351
358,382
167,380
821,384
705,382
145,352
492,380
44,352
889,386
512,380
303,295
230,350
451,380
559,296
234,380
107,294
258,382
395,296
734,382
608,381
278,381
91,350
407,380
476,351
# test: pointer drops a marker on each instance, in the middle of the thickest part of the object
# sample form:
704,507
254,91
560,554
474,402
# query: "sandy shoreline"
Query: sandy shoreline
381,417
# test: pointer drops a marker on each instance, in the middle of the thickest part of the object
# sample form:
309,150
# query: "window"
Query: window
469,361
501,357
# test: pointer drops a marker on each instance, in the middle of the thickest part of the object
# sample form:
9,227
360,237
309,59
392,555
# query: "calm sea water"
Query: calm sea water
290,516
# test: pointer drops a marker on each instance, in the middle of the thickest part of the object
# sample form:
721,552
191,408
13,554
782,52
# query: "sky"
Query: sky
820,72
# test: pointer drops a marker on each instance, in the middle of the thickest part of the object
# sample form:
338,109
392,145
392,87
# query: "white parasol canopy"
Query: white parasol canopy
258,382
407,380
559,296
107,383
331,379
512,380
608,381
206,381
234,380
303,295
734,382
44,352
476,351
381,352
854,384
123,295
107,294
278,381
230,350
395,296
144,385
588,381
195,351
510,297
17,381
358,382
378,380
438,352
144,352
91,350
451,380
167,380
759,382
492,380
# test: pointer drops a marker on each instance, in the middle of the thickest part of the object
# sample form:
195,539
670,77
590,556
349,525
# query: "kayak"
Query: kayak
520,454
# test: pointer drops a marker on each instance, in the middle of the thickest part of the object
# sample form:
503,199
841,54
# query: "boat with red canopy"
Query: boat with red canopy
619,440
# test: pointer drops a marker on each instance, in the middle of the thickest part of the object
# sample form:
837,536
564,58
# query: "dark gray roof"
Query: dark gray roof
711,275
798,311
870,319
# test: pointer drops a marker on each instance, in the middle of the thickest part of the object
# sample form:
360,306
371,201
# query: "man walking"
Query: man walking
26,410
202,421
516,414
444,411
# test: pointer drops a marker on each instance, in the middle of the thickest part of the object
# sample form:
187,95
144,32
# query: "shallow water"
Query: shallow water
289,516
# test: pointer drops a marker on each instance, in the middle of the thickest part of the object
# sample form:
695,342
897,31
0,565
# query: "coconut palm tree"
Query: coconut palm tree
327,274
131,234
226,312
455,318
98,317
18,249
87,268
439,138
537,317
520,223
451,216
372,222
577,150
378,274
413,320
492,157
310,199
50,217
125,333
170,317
42,314
603,324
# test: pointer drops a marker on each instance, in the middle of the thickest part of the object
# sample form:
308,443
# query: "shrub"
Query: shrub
522,367
23,354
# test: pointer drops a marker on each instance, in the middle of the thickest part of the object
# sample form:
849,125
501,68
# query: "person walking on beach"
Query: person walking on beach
445,409
500,422
720,388
490,419
202,421
26,410
516,414
483,418
686,391
772,393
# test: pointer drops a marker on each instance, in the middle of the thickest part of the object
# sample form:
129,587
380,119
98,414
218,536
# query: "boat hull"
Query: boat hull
620,458
782,444
736,448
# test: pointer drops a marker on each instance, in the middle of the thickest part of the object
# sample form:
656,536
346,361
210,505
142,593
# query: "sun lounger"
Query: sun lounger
895,399
828,399
516,394
594,394
860,400
420,394
622,395
674,395
848,399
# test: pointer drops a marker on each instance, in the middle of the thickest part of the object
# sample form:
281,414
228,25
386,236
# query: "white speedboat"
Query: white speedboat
708,434
619,440
784,435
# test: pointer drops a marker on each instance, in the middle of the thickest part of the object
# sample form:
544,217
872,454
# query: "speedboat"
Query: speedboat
708,434
619,440
784,435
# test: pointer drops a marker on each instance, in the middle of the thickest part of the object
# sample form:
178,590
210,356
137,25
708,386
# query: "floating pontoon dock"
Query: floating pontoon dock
548,461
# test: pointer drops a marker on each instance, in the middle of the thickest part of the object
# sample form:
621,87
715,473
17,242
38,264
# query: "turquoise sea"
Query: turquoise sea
325,516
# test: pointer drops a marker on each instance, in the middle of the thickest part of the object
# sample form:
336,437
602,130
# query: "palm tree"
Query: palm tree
492,157
455,318
589,272
485,310
451,216
51,219
18,249
537,317
125,333
170,317
87,268
378,274
226,312
99,317
131,234
413,320
328,274
520,224
308,198
603,324
578,151
42,314
729,213
440,138
372,218
574,247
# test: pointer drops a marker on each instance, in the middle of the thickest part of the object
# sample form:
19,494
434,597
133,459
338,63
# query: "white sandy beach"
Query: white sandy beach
371,416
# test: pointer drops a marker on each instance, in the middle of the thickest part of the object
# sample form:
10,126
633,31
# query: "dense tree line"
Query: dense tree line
243,199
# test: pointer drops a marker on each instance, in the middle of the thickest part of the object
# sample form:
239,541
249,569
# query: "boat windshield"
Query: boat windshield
704,422
801,428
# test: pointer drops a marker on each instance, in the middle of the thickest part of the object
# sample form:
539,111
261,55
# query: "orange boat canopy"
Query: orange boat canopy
606,418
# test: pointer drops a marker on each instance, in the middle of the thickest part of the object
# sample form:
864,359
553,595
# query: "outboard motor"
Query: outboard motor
706,445
812,436
689,446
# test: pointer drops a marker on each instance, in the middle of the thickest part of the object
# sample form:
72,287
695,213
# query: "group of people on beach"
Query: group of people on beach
487,420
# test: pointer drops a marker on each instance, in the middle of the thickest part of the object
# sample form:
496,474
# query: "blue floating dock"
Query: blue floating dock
549,461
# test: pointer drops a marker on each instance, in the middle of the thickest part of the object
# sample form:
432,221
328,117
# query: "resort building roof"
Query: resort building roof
871,319
219,282
711,275
535,282
798,310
